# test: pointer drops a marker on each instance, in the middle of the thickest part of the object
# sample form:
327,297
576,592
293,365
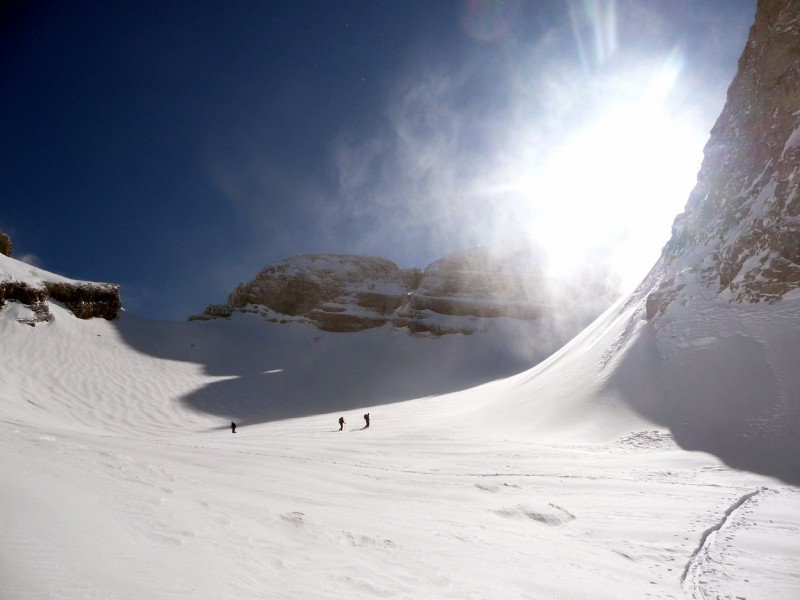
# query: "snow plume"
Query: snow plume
417,176
415,185
28,257
450,170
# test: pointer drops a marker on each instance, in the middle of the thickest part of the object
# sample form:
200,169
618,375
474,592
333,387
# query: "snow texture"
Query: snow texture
122,478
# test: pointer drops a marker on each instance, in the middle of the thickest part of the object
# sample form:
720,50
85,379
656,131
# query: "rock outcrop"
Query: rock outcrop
87,299
302,284
480,284
740,232
32,289
6,247
336,292
348,293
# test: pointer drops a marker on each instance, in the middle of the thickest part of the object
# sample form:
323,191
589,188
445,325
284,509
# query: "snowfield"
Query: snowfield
121,477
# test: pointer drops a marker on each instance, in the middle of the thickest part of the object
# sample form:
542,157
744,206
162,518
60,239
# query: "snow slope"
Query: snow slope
122,479
721,377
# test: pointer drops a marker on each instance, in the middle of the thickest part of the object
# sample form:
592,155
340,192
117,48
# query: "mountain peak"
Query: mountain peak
339,292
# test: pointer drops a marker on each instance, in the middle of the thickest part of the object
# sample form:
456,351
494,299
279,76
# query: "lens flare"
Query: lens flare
597,20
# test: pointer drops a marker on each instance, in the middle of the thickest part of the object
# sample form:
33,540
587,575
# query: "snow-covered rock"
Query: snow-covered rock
711,343
337,292
346,293
25,291
740,233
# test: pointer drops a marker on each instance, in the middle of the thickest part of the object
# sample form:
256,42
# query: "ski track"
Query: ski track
692,579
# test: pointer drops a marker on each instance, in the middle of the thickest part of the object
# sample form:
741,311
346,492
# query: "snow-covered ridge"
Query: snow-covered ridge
25,291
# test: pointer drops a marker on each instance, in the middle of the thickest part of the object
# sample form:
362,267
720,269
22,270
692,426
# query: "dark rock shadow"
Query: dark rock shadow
714,401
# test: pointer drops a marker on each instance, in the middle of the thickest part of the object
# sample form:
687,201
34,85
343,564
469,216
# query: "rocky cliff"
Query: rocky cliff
480,283
740,233
25,293
350,293
337,292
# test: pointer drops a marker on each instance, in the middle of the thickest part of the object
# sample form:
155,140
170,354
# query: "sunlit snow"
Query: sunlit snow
547,484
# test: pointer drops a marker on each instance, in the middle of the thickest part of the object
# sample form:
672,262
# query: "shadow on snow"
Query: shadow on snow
273,372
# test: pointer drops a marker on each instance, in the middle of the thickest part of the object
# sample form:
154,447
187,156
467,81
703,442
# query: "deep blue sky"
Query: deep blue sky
178,147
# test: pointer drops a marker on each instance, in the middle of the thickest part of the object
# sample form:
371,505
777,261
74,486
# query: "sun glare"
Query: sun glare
611,190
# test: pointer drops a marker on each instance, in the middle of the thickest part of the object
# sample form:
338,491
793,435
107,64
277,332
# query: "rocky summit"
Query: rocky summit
346,293
740,233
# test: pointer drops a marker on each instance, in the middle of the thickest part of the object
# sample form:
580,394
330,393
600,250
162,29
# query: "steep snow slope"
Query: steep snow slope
721,377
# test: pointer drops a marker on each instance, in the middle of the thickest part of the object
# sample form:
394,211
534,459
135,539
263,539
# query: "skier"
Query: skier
233,427
366,418
341,423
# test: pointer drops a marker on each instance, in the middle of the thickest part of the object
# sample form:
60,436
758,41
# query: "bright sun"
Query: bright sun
611,190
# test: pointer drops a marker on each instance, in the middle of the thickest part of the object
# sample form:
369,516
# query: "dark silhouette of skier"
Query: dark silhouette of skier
341,423
366,418
233,427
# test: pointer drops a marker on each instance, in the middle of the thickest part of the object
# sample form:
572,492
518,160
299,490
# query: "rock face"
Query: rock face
87,299
740,232
480,284
299,285
5,244
84,299
30,289
727,374
350,293
336,292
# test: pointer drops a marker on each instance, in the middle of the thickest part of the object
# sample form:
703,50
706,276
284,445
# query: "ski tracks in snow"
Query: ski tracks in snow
700,565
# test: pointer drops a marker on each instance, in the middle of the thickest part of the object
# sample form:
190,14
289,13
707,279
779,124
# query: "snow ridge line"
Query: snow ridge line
707,539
